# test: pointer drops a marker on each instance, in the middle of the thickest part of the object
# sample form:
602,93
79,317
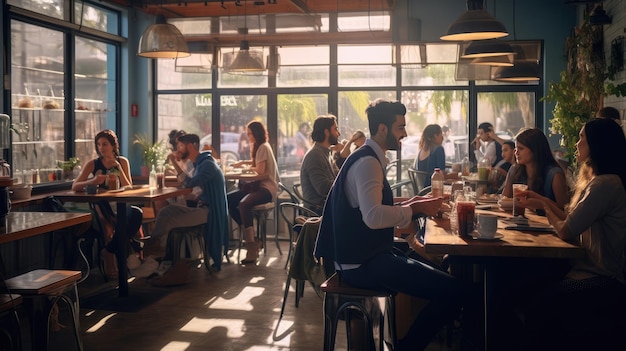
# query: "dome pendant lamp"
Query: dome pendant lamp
162,40
475,24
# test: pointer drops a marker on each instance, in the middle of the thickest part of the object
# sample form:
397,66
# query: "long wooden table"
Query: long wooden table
440,240
123,199
20,225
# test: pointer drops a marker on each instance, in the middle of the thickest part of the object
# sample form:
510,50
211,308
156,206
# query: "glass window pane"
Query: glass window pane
238,80
304,66
364,54
364,76
508,112
295,111
168,78
52,8
96,17
444,107
352,105
236,112
304,55
430,75
95,104
38,115
359,22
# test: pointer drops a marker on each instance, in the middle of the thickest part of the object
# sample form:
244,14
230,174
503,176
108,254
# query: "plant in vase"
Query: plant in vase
154,154
68,167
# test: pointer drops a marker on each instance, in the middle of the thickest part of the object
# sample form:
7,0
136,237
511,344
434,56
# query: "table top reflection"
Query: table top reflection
20,225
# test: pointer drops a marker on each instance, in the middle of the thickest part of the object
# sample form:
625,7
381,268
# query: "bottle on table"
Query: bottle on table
152,180
436,182
484,166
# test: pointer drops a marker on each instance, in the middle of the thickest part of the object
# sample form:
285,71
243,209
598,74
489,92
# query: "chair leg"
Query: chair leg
290,252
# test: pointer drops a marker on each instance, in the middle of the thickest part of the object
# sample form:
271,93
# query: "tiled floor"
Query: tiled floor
235,309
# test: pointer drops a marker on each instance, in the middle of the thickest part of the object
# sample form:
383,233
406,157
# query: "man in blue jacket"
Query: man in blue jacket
358,224
211,209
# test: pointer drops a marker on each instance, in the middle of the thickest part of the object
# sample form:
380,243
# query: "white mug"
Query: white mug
487,225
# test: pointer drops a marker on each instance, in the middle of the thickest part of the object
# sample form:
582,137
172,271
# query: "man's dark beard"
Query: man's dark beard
185,155
333,140
391,141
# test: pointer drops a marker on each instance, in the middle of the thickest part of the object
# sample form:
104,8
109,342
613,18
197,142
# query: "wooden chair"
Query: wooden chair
341,299
41,290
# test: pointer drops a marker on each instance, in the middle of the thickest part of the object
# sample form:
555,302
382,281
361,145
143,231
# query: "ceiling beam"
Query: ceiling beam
221,40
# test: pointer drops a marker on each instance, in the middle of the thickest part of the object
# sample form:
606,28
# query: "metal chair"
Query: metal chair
297,190
8,311
340,298
290,211
418,178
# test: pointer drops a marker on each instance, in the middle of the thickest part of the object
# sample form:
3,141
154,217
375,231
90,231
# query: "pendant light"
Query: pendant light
162,40
520,72
475,24
496,61
246,61
487,48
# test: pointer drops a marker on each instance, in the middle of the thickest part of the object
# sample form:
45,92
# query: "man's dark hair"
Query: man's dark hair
510,143
189,139
485,126
173,135
320,125
608,112
385,112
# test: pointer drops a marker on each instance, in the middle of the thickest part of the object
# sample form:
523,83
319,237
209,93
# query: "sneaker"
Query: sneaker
148,267
133,261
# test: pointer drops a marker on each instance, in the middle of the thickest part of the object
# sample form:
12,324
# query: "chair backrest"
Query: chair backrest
289,211
292,197
297,190
425,191
418,178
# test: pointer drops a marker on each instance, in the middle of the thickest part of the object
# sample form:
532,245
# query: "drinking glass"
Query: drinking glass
517,209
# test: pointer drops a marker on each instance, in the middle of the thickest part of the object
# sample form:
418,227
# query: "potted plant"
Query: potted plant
153,154
68,167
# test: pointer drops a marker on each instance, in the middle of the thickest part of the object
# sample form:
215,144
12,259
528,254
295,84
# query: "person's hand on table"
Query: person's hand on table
427,206
98,179
530,199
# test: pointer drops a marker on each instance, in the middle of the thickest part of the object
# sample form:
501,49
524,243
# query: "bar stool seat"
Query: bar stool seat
41,290
8,304
340,297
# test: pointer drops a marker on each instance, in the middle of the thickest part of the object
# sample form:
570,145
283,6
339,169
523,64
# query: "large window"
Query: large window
52,120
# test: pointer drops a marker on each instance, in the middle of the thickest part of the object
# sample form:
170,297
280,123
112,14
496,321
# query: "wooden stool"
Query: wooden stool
41,289
8,304
341,298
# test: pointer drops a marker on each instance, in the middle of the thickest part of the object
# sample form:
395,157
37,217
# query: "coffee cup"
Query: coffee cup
487,225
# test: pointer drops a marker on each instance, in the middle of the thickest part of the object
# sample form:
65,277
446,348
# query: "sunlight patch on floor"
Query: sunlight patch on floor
255,280
240,302
176,346
235,327
100,323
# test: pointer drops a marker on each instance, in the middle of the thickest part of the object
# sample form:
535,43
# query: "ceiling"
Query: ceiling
215,8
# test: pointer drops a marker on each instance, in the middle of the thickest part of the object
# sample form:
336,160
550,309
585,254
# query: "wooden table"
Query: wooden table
20,225
124,198
439,240
248,177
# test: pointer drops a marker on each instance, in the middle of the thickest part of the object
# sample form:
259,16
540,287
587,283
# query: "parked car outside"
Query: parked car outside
229,146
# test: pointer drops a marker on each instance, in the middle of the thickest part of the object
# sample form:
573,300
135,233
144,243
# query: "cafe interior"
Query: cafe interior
143,68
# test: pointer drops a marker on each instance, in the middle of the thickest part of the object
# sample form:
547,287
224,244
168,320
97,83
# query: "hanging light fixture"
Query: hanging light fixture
200,60
520,72
598,16
475,24
246,61
487,48
162,40
497,61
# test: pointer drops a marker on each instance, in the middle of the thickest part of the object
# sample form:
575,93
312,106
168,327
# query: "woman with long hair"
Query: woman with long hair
241,202
537,168
431,154
595,219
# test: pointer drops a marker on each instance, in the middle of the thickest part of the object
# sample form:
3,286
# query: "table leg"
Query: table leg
488,306
122,248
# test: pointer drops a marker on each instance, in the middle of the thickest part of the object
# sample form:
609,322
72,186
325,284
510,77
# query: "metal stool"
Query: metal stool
261,213
341,298
180,244
41,290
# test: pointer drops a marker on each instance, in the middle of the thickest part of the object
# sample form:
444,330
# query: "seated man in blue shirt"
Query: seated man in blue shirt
210,193
357,230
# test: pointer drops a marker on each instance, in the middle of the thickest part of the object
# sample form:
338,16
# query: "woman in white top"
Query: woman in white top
596,220
241,202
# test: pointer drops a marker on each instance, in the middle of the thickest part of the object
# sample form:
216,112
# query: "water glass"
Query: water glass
517,189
